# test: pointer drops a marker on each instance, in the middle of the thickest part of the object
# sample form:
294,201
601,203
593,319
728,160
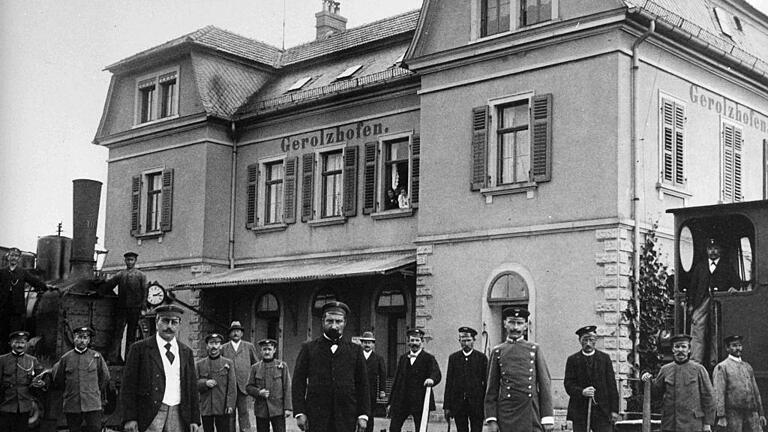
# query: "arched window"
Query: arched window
390,299
508,288
267,317
325,295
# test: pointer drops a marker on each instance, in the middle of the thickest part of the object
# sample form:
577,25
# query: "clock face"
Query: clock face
155,295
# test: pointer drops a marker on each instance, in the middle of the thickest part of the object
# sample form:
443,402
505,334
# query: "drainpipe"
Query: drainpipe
636,169
231,248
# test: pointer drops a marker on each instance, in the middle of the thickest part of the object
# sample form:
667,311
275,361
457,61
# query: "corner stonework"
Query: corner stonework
424,298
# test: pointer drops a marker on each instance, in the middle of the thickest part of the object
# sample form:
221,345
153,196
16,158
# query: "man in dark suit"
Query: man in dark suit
159,390
244,355
13,308
416,371
465,384
589,378
714,274
377,373
330,382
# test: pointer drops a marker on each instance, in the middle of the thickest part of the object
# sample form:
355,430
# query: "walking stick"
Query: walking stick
425,411
646,407
589,413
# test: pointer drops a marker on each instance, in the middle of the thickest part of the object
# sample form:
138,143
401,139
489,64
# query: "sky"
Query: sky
53,86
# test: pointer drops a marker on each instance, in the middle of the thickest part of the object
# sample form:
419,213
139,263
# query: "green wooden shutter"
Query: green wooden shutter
166,205
541,144
289,190
307,174
135,205
369,178
252,191
350,181
479,168
415,169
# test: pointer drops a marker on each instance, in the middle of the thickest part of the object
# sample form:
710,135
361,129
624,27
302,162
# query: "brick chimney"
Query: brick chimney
329,21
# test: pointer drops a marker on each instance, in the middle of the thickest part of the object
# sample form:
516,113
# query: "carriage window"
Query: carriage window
745,263
686,248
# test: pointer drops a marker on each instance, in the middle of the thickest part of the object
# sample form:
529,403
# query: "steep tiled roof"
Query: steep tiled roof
351,38
223,85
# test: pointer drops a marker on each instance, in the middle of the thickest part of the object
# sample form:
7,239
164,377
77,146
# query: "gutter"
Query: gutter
233,177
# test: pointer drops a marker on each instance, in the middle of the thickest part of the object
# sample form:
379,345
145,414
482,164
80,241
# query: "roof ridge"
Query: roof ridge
211,27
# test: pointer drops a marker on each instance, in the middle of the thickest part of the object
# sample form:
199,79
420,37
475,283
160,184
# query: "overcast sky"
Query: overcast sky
52,87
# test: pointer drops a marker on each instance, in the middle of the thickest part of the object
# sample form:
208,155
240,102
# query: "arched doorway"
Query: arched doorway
508,285
322,296
391,308
266,322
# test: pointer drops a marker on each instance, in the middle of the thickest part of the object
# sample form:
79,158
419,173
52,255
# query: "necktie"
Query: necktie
168,353
412,357
712,266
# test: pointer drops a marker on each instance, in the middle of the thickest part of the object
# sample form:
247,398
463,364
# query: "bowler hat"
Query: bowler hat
586,329
515,311
733,338
335,306
472,332
235,326
368,336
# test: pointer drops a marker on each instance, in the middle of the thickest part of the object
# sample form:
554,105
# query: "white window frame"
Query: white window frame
663,186
157,103
348,72
261,196
299,84
318,180
476,16
145,201
381,170
493,144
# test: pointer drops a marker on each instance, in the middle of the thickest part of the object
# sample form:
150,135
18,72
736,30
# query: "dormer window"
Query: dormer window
348,72
723,20
157,96
299,84
501,16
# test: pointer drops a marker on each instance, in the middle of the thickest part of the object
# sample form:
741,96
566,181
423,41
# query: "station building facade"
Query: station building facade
430,168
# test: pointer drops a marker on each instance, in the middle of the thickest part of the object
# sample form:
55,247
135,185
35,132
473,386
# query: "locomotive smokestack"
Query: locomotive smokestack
86,195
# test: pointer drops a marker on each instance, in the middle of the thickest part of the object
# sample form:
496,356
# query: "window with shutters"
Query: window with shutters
157,96
271,193
151,203
329,185
492,17
511,144
672,143
732,145
391,176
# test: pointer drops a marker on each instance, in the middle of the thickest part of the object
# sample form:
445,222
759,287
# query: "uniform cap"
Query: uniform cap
472,332
516,312
80,330
130,254
167,309
368,336
214,336
265,342
680,337
712,241
18,334
733,338
415,332
337,307
586,329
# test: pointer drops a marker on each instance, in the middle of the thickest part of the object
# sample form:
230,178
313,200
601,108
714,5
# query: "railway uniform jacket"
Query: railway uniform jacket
328,385
244,357
214,401
143,384
581,373
702,281
518,394
83,376
408,387
466,378
735,388
133,288
688,401
275,377
12,290
377,375
16,373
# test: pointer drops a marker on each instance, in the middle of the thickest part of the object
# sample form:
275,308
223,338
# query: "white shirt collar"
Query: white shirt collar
588,354
236,345
467,354
161,343
367,354
734,358
414,354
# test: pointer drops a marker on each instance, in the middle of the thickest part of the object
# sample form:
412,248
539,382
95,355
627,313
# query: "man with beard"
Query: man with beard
159,389
377,373
465,384
330,383
518,396
244,355
270,386
688,402
738,406
217,387
19,377
83,374
589,379
417,371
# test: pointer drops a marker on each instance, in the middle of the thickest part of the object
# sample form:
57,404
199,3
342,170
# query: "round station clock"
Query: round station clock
155,294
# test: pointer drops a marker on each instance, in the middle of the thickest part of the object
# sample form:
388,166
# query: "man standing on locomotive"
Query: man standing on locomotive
131,299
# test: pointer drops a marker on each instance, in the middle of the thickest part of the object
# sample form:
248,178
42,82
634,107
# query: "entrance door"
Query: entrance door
391,312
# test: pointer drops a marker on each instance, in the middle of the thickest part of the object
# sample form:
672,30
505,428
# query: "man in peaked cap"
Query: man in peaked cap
320,404
377,373
159,389
131,300
518,396
465,384
270,385
688,401
244,355
715,273
416,371
83,375
217,387
589,379
19,377
738,406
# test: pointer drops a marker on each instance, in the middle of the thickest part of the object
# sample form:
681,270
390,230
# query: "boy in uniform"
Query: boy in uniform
217,387
270,386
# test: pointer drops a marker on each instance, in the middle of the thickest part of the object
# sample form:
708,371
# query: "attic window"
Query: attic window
348,72
725,23
157,96
299,84
399,59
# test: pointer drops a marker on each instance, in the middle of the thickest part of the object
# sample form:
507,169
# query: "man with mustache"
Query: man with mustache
377,372
131,300
244,356
330,383
465,384
738,406
518,396
270,386
688,401
19,378
159,389
217,387
589,378
83,374
417,370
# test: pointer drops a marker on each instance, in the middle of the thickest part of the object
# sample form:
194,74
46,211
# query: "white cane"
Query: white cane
425,411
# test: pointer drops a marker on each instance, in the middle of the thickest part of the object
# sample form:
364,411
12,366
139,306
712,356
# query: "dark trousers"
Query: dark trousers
123,316
369,427
598,424
14,422
223,423
464,420
86,422
277,422
397,420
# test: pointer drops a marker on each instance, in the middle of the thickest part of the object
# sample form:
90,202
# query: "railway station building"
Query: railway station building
430,168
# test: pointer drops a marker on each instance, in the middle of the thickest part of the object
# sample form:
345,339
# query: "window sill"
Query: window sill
519,29
156,121
510,189
334,220
149,235
392,214
676,191
270,228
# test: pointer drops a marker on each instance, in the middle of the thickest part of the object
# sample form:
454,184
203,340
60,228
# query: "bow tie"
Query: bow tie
412,355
